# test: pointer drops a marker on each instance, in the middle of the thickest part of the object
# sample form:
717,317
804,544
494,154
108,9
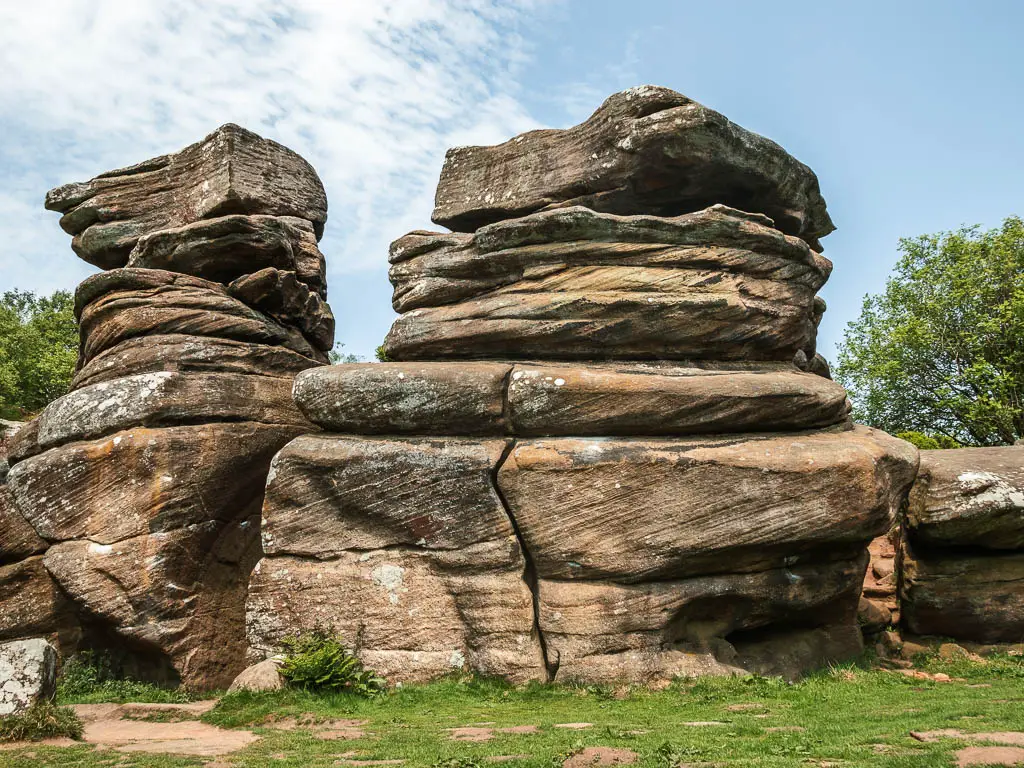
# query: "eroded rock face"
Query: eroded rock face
548,398
574,284
231,171
635,510
963,546
645,150
142,487
412,537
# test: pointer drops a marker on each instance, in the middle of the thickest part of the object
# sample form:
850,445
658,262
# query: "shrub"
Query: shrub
91,677
928,442
43,720
318,661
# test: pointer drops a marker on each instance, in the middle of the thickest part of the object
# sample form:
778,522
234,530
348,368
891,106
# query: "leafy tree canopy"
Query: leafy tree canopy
940,352
38,350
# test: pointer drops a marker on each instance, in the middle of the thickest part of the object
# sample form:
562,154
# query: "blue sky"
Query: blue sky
911,113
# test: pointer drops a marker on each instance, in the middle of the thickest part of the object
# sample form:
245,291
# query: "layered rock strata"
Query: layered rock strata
962,573
136,497
604,448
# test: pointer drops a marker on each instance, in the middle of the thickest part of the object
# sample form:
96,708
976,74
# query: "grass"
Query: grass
41,721
848,716
91,678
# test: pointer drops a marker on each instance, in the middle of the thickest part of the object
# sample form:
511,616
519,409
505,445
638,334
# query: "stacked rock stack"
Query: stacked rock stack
962,559
135,498
600,450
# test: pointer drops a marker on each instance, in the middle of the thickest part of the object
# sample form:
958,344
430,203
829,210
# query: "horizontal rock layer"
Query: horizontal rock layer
231,171
177,353
969,497
229,247
775,622
125,304
33,604
645,150
143,481
636,510
967,595
577,284
496,398
18,539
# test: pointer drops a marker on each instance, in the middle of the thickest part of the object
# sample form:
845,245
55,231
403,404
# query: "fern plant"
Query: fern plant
318,661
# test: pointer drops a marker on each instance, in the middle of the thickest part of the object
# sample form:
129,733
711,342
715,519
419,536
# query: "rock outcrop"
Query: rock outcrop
133,502
604,448
962,573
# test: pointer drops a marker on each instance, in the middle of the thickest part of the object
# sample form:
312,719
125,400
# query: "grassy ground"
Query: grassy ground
851,716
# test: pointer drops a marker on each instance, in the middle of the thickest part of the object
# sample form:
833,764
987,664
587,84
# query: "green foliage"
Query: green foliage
43,720
318,661
939,351
928,442
91,678
337,356
382,354
38,350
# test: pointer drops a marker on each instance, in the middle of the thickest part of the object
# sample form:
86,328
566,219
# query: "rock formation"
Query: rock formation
962,562
133,501
601,451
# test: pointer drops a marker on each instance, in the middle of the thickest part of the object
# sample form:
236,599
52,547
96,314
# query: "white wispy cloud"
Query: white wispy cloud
370,92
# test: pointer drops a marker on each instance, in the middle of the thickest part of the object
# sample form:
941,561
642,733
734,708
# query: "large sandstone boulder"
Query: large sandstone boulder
231,171
28,674
405,548
645,150
962,557
636,510
969,497
480,398
966,595
715,284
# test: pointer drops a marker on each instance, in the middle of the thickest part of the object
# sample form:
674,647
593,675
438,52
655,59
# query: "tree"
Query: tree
337,356
38,350
941,351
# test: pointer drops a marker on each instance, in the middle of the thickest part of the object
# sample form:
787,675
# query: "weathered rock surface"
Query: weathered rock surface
190,354
566,398
396,398
147,478
33,605
165,398
968,595
715,624
230,247
412,532
650,510
176,596
669,399
143,481
231,171
645,150
126,304
969,497
28,674
18,539
284,297
575,284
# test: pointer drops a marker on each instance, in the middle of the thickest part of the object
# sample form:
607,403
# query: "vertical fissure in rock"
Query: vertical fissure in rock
530,576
